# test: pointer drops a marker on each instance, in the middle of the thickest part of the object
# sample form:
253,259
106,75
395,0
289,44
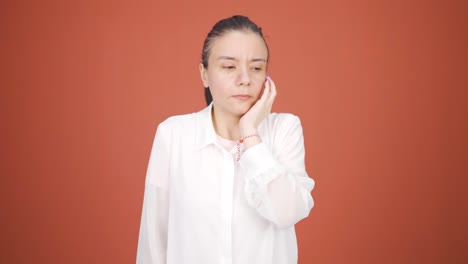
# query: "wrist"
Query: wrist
248,131
250,140
247,141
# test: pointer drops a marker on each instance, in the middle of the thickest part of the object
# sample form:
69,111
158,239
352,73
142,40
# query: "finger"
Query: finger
266,91
272,89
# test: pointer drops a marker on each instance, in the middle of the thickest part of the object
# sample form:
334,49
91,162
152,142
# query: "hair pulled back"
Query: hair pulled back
234,23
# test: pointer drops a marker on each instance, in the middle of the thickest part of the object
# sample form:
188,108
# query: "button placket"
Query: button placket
226,205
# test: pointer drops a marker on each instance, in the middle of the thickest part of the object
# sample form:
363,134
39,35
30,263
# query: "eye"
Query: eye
257,68
229,67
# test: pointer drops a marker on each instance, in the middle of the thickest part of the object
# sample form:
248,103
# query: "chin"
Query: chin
241,110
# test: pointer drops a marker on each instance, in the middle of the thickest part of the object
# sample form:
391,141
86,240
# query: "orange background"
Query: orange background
379,87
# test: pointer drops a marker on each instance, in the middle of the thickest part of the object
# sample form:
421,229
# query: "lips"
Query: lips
242,96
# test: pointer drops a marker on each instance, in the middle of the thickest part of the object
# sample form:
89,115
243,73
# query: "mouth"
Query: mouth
243,97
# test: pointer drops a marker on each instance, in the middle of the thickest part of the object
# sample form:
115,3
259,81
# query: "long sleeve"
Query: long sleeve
152,242
276,182
202,206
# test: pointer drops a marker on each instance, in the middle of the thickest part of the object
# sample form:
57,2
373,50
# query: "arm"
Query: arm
152,242
277,185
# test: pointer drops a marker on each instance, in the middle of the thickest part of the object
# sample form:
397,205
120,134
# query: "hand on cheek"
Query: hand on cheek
260,110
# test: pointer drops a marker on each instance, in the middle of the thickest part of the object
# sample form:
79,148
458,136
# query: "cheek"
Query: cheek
215,82
216,77
258,86
217,86
220,81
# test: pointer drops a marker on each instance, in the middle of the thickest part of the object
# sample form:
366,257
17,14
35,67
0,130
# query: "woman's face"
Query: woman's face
236,71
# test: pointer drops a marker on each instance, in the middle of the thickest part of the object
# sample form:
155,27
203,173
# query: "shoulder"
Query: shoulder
283,119
177,122
279,126
281,129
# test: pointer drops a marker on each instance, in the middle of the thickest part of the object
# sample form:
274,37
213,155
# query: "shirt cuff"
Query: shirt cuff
258,158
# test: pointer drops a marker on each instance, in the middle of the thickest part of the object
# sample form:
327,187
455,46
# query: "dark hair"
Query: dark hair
219,29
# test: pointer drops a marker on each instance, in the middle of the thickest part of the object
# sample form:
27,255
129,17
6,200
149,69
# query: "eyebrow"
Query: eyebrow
234,59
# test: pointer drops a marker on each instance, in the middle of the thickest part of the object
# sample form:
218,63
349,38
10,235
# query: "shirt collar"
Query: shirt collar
205,131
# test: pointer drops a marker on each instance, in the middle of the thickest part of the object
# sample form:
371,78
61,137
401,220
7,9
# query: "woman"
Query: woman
228,183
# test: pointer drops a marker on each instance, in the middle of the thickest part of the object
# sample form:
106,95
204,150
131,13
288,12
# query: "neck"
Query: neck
226,125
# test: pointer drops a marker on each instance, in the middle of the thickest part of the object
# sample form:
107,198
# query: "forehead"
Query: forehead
240,45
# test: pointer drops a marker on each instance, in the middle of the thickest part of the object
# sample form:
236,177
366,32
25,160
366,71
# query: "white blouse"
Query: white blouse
201,206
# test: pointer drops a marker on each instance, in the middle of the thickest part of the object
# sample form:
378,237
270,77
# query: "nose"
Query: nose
243,78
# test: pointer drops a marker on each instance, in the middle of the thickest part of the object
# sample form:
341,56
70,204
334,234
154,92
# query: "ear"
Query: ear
203,75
